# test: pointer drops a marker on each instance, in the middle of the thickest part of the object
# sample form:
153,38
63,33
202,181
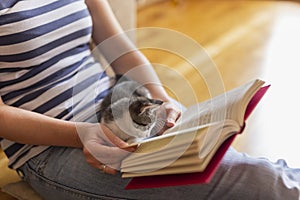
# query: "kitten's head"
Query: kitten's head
143,110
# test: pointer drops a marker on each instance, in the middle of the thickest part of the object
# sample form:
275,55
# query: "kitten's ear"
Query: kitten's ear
156,101
155,104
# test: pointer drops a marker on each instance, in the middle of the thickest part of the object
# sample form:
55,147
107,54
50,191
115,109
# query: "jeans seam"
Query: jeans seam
42,165
64,188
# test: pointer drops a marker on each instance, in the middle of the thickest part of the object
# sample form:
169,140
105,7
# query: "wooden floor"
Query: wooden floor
245,40
4,196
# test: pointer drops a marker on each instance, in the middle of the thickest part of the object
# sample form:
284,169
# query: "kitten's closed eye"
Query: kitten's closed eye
142,110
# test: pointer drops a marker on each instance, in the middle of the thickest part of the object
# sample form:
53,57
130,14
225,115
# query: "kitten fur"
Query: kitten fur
129,111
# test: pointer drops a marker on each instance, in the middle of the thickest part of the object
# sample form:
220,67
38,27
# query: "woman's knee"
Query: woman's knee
253,178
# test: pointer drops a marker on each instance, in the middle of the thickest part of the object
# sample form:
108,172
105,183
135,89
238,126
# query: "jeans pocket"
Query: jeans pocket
39,162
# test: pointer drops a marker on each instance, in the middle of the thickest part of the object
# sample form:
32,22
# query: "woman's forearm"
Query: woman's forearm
32,128
137,67
118,49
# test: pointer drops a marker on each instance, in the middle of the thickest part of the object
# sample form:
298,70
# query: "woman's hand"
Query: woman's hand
168,114
173,113
102,149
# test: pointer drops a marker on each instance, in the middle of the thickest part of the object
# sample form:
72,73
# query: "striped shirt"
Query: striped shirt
46,65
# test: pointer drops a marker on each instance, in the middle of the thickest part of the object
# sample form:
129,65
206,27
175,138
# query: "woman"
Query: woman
48,80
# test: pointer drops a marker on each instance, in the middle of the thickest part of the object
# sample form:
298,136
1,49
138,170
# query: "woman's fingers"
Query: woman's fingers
104,150
109,170
172,116
113,140
110,138
106,168
168,114
172,113
107,154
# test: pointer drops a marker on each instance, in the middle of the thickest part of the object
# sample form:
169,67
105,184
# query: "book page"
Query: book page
192,159
176,144
230,105
161,153
172,150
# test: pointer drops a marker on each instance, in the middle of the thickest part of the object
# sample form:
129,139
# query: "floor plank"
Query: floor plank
4,196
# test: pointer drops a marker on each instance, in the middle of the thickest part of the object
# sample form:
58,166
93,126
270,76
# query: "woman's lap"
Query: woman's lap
62,173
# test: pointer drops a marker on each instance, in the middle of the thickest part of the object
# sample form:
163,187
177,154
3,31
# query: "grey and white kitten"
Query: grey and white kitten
129,111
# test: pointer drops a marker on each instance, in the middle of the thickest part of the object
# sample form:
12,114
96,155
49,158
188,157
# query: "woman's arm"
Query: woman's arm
32,128
113,42
99,142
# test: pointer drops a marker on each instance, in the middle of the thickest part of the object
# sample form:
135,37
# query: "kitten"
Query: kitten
129,111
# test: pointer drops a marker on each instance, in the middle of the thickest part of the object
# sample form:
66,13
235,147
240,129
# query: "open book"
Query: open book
191,151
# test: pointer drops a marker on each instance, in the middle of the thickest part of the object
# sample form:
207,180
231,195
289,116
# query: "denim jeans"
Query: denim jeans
62,173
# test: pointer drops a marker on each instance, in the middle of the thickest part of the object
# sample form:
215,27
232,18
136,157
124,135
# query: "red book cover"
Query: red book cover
197,177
